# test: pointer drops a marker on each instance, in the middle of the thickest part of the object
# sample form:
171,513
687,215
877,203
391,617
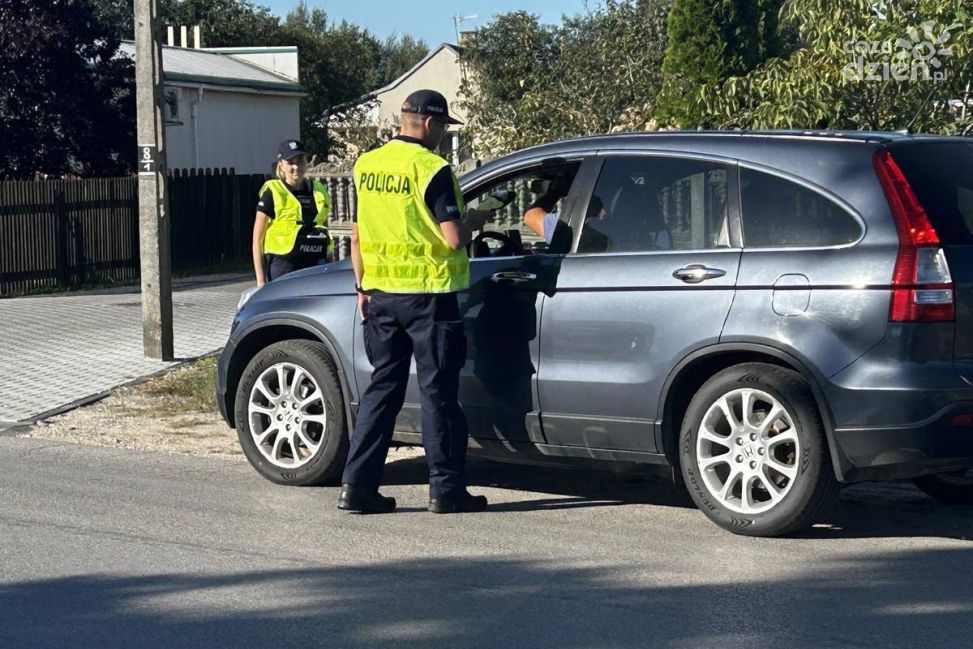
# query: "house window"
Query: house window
171,97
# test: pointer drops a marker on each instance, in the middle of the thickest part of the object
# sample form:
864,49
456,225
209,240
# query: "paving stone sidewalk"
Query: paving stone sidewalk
56,350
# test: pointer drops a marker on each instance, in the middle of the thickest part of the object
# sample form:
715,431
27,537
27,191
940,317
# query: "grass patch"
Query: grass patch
187,389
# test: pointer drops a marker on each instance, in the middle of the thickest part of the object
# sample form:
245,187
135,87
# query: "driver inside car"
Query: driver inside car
541,216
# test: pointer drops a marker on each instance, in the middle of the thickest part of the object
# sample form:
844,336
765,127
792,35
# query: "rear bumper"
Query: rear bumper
894,452
894,410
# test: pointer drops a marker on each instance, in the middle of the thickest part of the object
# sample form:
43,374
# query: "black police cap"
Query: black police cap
428,102
289,149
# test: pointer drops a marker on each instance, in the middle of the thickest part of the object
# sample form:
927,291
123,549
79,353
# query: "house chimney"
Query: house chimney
172,35
196,37
467,37
183,39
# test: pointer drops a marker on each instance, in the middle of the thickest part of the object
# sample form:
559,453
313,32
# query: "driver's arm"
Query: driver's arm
534,219
457,228
539,216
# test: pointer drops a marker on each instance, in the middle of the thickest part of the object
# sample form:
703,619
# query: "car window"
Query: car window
941,174
779,213
964,204
526,186
643,204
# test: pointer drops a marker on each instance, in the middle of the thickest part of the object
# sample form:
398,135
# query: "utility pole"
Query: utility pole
153,199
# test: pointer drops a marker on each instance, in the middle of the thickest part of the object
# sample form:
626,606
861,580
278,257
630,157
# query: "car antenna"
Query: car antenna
926,100
908,127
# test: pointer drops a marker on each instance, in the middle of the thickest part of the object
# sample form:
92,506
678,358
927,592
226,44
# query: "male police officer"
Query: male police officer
408,251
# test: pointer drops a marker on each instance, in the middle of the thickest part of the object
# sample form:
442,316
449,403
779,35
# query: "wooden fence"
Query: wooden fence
71,233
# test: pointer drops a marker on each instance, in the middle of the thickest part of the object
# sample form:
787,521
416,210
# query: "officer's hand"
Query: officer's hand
363,305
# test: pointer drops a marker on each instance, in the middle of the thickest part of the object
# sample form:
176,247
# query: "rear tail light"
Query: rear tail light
922,288
962,420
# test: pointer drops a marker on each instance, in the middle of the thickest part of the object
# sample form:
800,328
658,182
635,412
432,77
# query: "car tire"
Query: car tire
954,488
767,474
290,414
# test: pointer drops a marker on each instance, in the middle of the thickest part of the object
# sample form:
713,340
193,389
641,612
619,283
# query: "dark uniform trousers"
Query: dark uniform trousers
277,266
397,327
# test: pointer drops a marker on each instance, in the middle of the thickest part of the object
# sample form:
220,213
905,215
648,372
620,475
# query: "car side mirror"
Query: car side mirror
497,200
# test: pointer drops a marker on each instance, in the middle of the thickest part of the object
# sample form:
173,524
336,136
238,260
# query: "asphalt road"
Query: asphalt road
113,548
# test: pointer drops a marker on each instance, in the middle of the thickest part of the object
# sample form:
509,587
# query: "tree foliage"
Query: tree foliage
340,62
843,74
711,40
528,83
88,126
224,23
66,103
722,63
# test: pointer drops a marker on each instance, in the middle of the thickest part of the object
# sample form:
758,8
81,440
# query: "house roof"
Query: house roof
216,69
370,96
408,73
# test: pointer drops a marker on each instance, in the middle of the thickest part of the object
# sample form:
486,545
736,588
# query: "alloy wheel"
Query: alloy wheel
288,415
748,451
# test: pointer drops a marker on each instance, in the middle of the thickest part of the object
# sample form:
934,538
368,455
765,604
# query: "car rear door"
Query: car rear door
651,280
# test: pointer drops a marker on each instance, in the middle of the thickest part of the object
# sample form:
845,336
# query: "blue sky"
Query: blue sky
431,20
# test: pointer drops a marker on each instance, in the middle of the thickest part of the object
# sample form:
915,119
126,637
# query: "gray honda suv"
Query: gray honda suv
763,315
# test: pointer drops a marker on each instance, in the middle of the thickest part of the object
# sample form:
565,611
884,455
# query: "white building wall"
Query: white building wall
440,73
239,130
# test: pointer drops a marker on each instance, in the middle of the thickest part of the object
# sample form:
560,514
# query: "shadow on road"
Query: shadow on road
580,488
901,599
871,510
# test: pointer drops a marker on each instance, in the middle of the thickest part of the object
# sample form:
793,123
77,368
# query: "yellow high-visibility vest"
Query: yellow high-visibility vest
288,219
402,247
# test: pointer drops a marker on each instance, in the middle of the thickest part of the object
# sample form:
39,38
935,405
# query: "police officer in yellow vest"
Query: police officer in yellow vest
290,230
408,248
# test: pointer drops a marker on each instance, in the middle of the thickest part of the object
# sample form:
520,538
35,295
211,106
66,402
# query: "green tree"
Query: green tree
86,127
854,70
341,62
224,23
338,63
398,55
710,40
528,83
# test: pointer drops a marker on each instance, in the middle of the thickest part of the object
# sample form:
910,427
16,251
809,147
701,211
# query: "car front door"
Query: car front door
510,271
651,279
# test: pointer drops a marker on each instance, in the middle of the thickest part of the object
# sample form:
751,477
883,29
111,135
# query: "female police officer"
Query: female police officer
290,228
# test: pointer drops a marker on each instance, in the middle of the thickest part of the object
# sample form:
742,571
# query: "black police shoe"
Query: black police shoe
458,503
365,501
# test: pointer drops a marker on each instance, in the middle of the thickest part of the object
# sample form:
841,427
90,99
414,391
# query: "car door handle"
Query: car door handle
696,273
512,277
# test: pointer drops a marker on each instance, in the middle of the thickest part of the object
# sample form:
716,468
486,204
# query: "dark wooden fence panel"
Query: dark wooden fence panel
66,232
71,233
212,219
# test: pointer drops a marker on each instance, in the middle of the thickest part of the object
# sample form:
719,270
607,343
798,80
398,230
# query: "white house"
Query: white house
228,107
439,70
